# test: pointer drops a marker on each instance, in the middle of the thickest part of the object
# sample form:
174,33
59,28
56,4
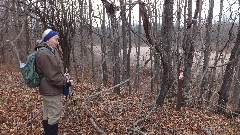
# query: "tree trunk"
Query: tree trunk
82,41
213,80
228,75
188,48
124,39
116,50
129,46
179,92
188,51
167,28
178,39
204,86
236,91
156,64
136,82
91,40
103,49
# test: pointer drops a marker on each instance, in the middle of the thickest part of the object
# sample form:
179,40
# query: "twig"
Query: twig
136,130
106,90
207,131
140,120
96,126
12,42
35,116
144,93
229,62
84,104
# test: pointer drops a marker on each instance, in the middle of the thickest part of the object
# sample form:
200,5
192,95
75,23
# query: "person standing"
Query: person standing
52,81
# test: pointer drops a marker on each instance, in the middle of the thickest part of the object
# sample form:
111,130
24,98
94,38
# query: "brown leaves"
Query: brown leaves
14,108
112,114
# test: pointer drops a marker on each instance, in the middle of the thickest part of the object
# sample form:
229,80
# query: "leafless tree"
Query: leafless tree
216,60
228,76
56,15
207,50
189,47
166,39
104,49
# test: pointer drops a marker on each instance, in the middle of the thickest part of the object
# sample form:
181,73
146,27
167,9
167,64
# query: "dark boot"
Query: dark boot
52,129
45,124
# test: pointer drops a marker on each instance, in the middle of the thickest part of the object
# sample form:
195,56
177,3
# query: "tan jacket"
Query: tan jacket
48,66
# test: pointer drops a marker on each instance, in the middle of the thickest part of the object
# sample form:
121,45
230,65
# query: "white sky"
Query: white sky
229,5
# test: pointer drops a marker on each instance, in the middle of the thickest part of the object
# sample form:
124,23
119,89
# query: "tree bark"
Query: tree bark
124,39
91,40
116,51
228,75
136,82
167,28
204,86
129,46
188,47
214,72
103,49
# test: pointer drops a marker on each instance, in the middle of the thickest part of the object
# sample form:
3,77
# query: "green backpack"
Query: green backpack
30,76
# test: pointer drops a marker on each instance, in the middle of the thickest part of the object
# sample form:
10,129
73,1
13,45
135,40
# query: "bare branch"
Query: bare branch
96,126
12,42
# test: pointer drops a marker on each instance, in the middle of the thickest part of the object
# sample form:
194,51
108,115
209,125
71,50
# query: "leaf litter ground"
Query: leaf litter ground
20,112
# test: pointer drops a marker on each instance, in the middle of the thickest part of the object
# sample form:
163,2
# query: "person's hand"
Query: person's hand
71,82
66,75
68,79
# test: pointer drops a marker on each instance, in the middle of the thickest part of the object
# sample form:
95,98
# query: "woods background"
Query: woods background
111,43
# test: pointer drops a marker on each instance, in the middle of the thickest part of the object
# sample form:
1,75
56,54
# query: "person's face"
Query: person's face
53,42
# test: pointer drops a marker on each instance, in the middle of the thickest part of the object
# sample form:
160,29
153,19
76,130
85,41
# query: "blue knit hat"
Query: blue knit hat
47,34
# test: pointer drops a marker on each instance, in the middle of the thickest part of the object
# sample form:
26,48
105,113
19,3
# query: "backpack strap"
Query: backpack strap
41,76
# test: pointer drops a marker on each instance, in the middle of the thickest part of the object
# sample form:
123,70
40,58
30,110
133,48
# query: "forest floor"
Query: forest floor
100,111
